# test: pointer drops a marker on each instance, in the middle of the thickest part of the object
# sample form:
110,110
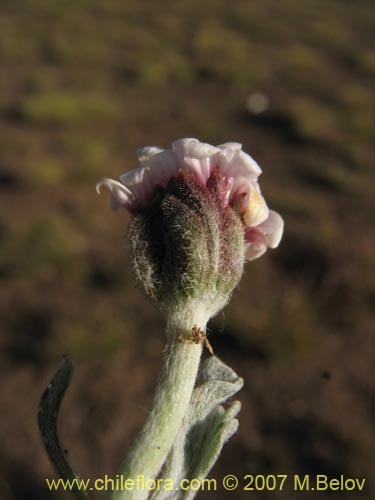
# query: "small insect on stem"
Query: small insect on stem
197,337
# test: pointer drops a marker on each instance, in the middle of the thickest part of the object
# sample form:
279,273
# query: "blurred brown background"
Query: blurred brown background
82,85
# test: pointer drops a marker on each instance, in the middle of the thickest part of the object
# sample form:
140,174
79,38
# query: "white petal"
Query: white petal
139,182
163,166
157,170
226,156
247,162
272,228
144,154
120,194
238,164
201,150
234,146
180,147
230,150
192,148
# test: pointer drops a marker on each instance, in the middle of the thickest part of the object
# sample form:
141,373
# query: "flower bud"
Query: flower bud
187,245
197,215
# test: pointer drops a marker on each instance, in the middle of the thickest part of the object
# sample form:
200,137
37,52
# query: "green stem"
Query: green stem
173,393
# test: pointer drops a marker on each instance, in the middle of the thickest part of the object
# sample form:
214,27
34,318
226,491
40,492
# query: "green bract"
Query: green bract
187,245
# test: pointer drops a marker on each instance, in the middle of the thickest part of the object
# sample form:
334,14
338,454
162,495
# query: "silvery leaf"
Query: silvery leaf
205,429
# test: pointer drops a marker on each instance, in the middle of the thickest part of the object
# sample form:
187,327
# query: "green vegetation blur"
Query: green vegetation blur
83,84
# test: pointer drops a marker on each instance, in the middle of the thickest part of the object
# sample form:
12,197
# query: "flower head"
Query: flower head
263,228
198,213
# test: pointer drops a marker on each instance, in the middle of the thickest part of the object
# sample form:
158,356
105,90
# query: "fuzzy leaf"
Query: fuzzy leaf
205,429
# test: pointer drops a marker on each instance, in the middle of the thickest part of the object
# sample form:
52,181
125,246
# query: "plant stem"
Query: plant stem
173,393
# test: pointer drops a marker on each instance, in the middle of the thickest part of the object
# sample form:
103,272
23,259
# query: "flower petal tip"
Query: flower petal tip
273,229
99,184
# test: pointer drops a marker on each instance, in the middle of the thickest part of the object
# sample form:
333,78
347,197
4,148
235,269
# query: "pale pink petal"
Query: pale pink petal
226,156
229,151
157,171
262,228
180,147
201,168
229,185
120,194
255,244
272,228
163,166
239,193
249,163
201,150
192,149
140,182
254,250
238,164
196,157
